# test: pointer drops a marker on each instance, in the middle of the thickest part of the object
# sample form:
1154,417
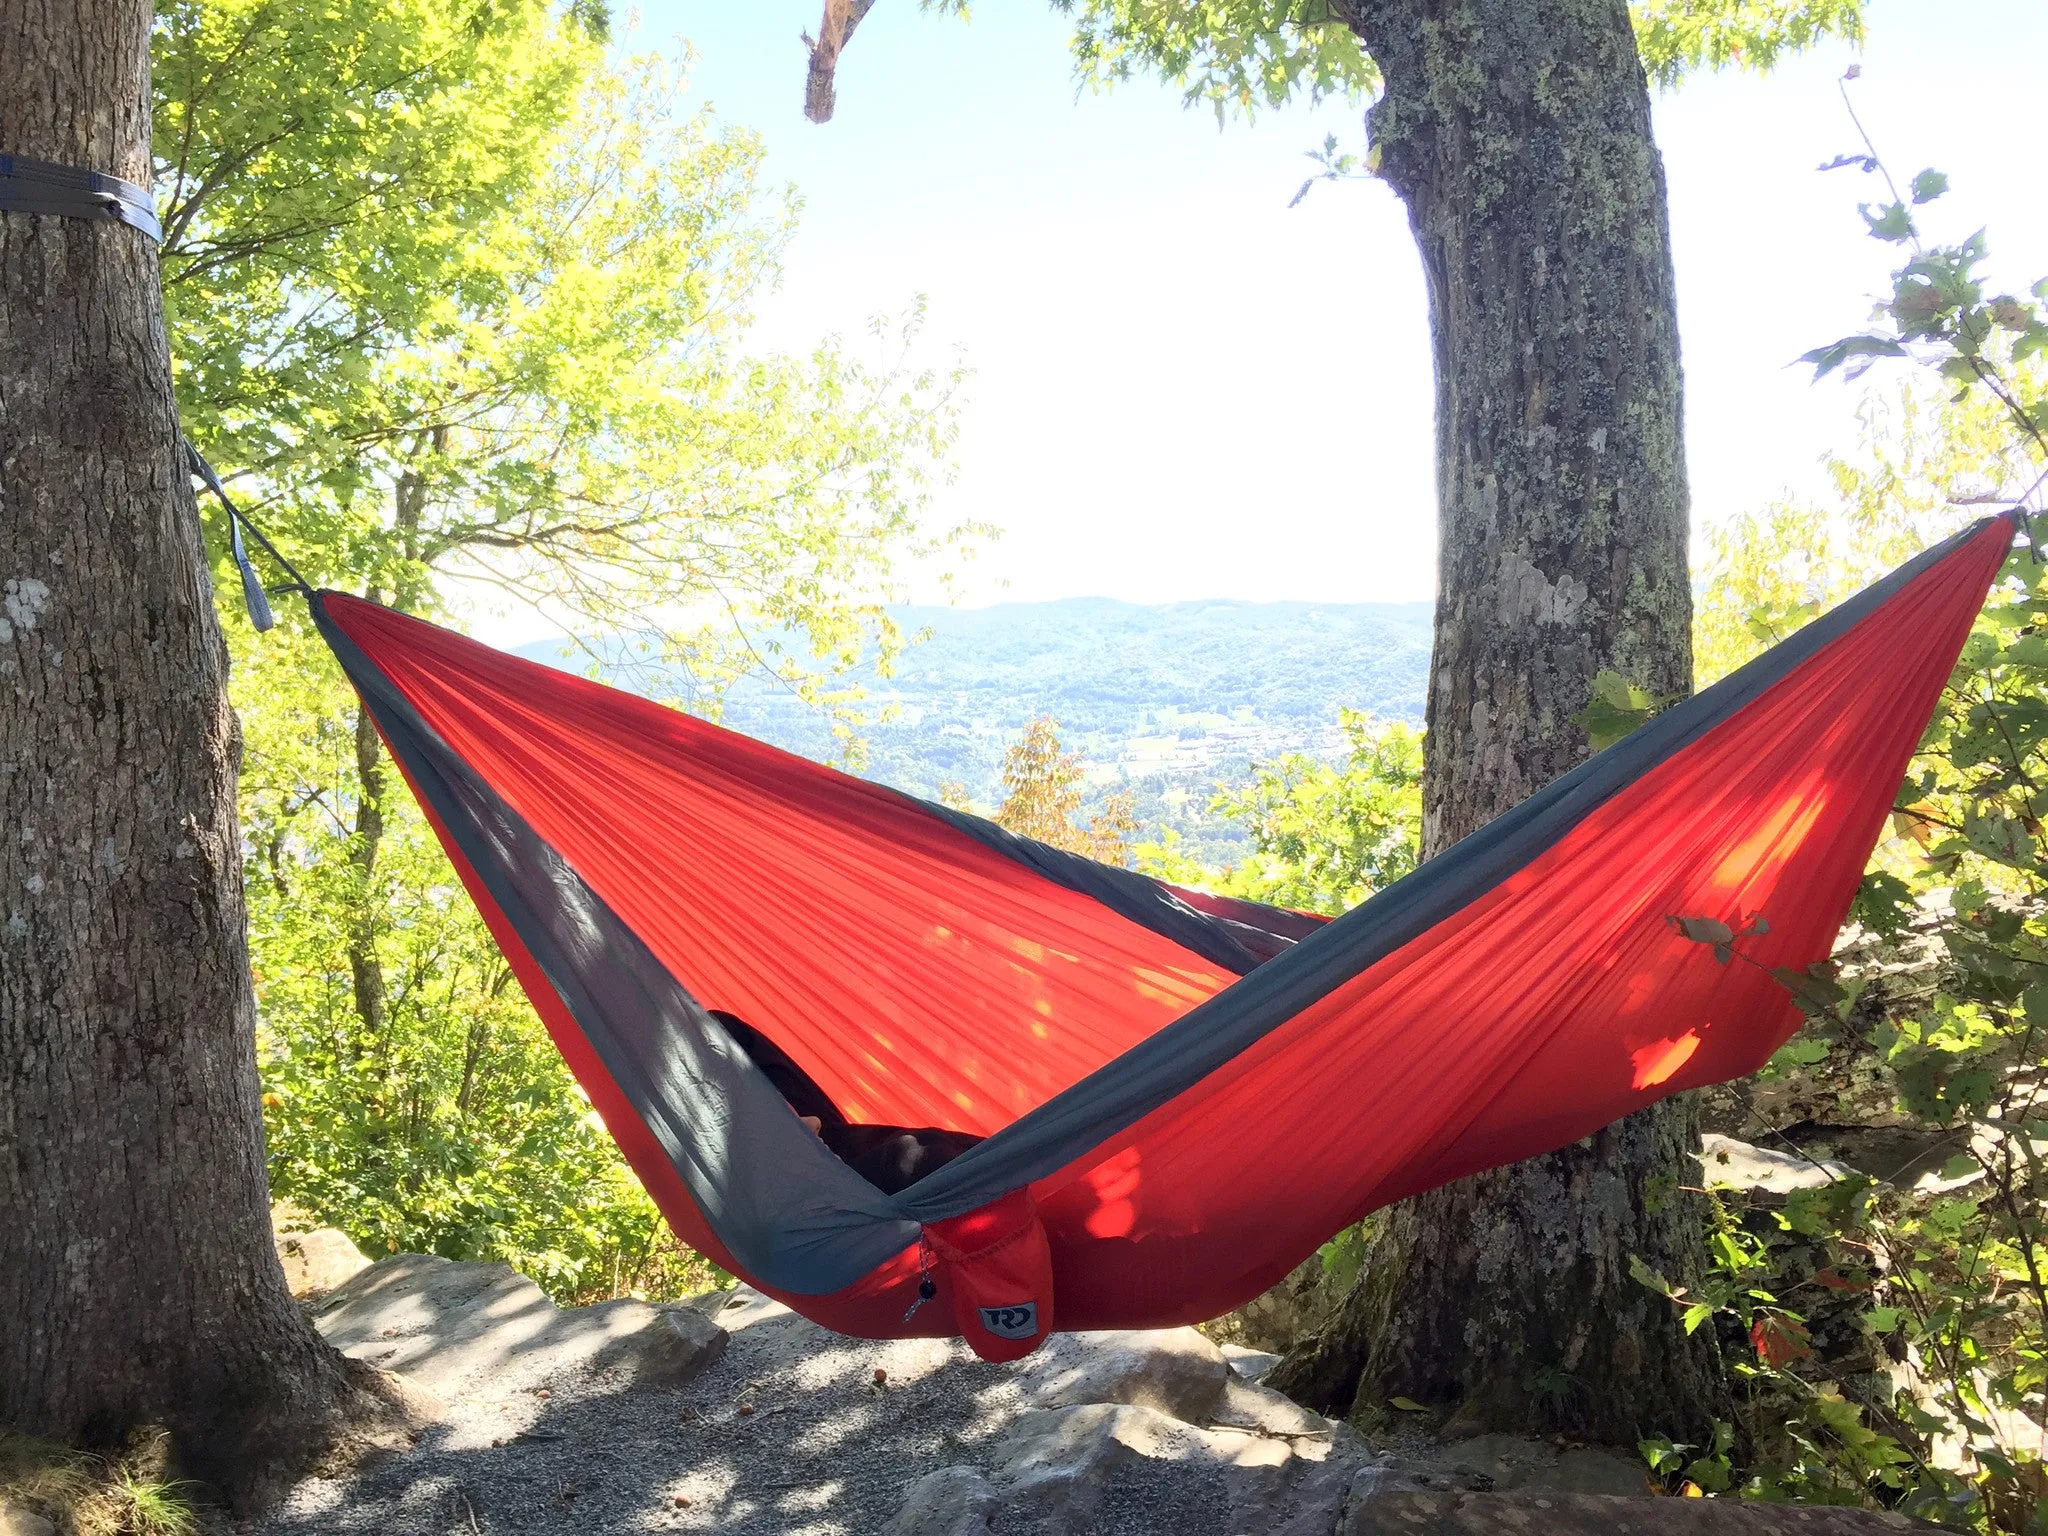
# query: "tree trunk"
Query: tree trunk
138,1282
366,970
1517,132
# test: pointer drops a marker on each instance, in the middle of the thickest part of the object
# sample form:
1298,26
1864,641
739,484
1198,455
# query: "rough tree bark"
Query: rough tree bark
1517,132
834,31
137,1277
366,970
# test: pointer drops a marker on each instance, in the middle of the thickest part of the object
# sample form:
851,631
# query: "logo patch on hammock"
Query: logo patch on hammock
1018,1322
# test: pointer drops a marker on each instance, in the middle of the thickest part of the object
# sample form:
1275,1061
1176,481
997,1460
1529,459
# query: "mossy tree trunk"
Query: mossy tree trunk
138,1283
1517,132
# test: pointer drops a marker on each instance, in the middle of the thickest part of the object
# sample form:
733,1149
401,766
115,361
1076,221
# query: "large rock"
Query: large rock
1731,1164
1266,1412
1139,1431
649,1346
1280,1318
1501,1463
1059,1463
953,1501
17,1521
458,1328
1251,1364
316,1262
1175,1370
1413,1513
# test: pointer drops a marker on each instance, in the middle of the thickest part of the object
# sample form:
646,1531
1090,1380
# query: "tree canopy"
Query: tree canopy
476,303
459,303
1240,56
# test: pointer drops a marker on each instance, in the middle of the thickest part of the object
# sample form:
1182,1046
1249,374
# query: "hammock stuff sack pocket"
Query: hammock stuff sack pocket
1110,1102
998,1268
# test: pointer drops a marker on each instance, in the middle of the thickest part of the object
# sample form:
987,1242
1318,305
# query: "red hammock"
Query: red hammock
1182,1096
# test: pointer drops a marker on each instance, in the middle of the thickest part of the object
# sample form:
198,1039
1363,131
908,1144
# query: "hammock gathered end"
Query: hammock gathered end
1150,1103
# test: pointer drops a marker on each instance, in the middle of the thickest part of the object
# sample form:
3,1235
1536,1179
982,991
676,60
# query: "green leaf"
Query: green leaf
1827,359
1642,1274
1884,903
1918,306
1660,1454
1918,1419
1802,1052
1407,1405
1616,708
1891,223
1999,836
1714,1475
1929,185
2010,313
1702,930
1343,1256
1815,989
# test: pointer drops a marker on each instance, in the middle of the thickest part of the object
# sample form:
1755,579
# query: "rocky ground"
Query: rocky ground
734,1415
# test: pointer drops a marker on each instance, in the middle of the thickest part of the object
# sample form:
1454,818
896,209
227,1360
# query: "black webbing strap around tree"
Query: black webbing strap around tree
72,192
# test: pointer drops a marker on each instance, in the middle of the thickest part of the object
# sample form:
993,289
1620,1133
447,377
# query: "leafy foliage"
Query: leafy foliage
1324,837
1239,56
1244,55
322,171
1942,1262
1923,456
452,298
1681,37
1043,798
545,384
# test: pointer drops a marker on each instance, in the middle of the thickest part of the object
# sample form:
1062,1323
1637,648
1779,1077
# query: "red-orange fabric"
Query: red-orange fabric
892,955
920,977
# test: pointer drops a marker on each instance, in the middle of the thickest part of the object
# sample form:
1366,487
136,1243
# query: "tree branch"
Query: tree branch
834,32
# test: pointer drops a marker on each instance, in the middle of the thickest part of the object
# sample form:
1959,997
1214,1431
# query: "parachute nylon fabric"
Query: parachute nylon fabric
1187,1136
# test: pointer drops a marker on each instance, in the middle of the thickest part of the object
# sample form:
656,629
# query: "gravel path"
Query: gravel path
791,1432
554,1424
788,1433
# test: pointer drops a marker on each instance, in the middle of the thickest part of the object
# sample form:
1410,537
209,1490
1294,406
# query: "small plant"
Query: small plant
1936,1273
1343,1256
1692,1470
89,1495
148,1508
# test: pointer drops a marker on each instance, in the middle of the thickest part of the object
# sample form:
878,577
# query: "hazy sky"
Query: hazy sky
1184,389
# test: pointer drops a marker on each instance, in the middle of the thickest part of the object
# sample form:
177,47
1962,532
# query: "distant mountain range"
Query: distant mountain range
1167,700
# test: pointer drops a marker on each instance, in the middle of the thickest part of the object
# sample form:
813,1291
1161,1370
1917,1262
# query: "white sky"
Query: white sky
1182,389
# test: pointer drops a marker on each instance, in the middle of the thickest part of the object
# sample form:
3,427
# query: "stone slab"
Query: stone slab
1414,1513
457,1328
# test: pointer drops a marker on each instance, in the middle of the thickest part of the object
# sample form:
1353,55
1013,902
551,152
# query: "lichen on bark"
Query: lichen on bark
1517,133
137,1278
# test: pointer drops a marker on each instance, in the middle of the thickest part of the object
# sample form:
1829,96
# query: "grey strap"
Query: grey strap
71,192
252,589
